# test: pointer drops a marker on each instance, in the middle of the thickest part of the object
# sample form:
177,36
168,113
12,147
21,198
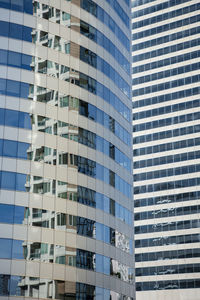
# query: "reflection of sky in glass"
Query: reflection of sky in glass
11,249
17,250
11,214
5,248
14,289
13,181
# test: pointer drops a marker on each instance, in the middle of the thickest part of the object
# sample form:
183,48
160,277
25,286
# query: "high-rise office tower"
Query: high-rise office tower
65,150
166,114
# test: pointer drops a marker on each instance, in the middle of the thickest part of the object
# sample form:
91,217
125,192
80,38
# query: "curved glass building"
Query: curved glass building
166,114
65,150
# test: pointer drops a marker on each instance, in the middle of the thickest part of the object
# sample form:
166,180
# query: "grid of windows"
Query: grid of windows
166,107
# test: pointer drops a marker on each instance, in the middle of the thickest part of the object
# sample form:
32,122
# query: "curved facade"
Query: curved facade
65,150
166,148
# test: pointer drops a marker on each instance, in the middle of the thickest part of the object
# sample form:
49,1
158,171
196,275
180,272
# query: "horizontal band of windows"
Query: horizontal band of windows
85,166
166,134
188,169
68,131
15,59
174,198
167,85
53,97
167,122
135,3
168,285
168,73
168,270
69,223
177,184
25,90
75,77
167,38
157,7
167,226
36,184
167,212
15,214
167,240
15,31
53,289
167,147
50,253
53,41
25,6
166,16
166,109
166,27
166,255
47,155
165,62
167,97
167,159
163,51
10,148
13,118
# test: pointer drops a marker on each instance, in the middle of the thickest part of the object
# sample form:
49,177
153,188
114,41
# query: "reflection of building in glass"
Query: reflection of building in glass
65,150
165,50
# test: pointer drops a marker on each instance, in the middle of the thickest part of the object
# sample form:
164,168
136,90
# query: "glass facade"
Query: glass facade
66,208
165,91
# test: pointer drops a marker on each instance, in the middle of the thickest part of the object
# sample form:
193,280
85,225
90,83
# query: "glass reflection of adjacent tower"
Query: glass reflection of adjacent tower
54,15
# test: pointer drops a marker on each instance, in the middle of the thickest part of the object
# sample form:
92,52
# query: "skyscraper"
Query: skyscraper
165,49
65,150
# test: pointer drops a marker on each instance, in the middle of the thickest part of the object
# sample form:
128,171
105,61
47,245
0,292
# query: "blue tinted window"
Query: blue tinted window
2,83
1,147
10,148
27,34
14,285
17,250
99,231
13,88
20,182
4,28
5,248
2,116
106,234
5,3
24,90
24,120
8,180
3,57
106,265
28,6
26,61
11,118
19,214
17,5
99,201
16,31
6,213
99,263
22,150
14,58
